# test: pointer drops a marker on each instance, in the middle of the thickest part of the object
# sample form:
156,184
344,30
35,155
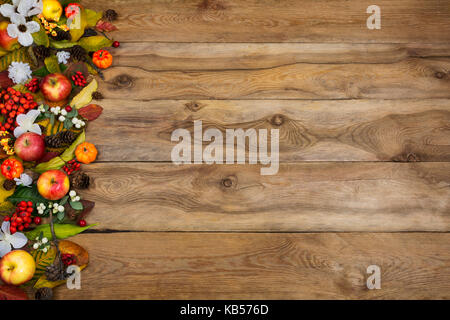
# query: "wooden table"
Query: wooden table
364,120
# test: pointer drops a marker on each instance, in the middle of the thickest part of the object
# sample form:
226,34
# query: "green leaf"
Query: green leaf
26,194
95,43
63,44
76,205
40,38
63,201
43,260
68,124
60,216
52,64
70,151
52,119
41,72
92,17
62,231
54,164
58,162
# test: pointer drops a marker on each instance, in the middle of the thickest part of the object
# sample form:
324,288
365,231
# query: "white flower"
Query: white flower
16,240
45,249
55,205
19,72
61,209
64,112
26,8
72,193
24,180
78,126
44,240
41,108
77,198
21,29
26,123
63,56
61,118
74,120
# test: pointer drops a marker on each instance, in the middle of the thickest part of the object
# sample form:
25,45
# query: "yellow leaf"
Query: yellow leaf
43,282
78,25
85,96
5,206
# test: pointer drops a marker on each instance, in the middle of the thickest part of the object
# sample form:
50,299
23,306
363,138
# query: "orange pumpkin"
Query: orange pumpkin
102,59
86,152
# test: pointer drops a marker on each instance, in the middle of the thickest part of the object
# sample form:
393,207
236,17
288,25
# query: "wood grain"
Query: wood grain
350,130
151,56
410,78
403,21
301,197
262,266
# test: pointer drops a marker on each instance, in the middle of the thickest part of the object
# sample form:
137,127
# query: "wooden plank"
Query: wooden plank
348,130
227,56
262,266
278,21
301,197
410,78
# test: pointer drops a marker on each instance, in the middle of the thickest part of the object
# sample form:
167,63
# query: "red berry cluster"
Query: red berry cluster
79,79
13,103
33,85
68,259
71,166
21,219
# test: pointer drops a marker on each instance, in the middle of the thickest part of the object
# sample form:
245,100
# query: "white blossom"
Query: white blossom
8,240
24,180
21,29
26,123
19,72
63,56
25,8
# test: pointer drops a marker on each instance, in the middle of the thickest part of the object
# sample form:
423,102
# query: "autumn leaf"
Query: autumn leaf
43,260
8,292
105,26
90,112
5,81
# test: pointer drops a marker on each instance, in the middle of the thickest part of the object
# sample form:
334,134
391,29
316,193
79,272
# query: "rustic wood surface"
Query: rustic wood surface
262,266
364,119
348,130
335,196
403,21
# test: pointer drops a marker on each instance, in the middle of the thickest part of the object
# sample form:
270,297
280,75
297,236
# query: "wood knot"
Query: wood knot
123,81
412,157
229,182
211,5
193,106
277,120
440,75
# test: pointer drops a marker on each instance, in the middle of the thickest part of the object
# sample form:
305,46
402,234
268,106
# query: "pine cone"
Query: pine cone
89,32
44,294
97,95
78,53
9,185
111,15
41,52
55,271
61,35
80,180
61,139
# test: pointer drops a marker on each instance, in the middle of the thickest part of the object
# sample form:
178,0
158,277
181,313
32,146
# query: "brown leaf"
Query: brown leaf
105,26
90,112
87,208
8,292
69,247
5,81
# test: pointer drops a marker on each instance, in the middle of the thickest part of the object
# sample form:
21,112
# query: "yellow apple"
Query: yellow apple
52,10
17,267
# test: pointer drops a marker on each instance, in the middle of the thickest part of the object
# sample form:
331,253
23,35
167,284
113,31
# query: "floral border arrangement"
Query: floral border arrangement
50,53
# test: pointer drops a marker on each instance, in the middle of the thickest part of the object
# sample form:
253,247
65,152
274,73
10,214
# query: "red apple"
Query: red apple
6,42
56,87
30,146
53,184
17,267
